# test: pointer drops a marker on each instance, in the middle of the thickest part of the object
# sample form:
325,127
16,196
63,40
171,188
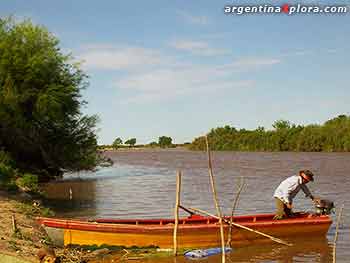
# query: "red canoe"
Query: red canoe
193,232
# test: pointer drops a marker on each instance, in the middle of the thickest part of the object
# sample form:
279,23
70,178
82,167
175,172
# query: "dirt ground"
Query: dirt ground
25,239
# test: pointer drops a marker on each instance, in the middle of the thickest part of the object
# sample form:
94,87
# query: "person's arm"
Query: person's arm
307,192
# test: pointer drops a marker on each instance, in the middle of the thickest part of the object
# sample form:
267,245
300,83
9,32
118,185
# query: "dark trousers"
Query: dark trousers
282,211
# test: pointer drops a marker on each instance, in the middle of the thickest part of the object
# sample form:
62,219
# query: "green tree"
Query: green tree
131,142
117,142
281,134
281,124
41,123
311,139
165,141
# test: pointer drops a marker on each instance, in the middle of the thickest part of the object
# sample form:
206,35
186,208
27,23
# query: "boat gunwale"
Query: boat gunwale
190,224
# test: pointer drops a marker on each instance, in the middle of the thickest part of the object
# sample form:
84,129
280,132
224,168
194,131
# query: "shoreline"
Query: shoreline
25,241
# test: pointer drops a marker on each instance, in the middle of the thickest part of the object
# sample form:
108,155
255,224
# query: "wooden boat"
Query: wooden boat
194,231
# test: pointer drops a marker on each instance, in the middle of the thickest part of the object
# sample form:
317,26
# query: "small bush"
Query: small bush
6,171
30,210
29,182
47,212
7,176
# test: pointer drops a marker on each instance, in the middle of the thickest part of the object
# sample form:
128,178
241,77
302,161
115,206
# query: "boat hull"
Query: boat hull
193,232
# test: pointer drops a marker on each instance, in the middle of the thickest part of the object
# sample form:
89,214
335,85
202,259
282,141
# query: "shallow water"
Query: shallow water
141,184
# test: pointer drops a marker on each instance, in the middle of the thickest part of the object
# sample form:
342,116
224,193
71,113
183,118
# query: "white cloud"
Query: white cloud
194,19
150,75
197,47
247,64
166,83
116,58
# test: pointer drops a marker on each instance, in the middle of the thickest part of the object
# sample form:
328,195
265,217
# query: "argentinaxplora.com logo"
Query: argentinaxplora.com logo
285,9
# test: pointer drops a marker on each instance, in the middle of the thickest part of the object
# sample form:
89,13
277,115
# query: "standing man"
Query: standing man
288,189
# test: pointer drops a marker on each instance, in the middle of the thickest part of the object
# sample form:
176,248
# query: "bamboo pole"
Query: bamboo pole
176,210
244,227
218,211
241,185
336,233
14,224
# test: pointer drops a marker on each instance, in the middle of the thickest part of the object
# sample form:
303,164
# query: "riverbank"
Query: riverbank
22,240
20,236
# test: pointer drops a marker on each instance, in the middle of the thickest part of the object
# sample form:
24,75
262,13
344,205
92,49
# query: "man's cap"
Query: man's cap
308,173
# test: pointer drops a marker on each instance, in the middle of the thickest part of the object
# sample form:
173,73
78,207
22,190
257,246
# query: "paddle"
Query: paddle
243,227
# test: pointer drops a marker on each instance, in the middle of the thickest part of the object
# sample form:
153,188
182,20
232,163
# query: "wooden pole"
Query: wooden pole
336,233
218,210
176,210
14,224
241,185
244,227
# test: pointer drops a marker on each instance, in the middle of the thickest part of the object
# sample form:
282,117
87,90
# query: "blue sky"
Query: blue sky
179,68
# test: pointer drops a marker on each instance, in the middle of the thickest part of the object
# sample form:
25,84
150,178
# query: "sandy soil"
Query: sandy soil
28,238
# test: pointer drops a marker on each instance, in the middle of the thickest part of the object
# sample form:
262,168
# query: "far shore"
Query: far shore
132,149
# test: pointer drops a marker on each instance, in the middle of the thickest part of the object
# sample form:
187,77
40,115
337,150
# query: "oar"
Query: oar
243,227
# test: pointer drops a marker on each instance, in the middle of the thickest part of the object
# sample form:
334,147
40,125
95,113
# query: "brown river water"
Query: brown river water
141,184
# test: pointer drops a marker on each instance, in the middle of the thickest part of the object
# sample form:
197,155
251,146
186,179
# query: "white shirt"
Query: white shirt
288,189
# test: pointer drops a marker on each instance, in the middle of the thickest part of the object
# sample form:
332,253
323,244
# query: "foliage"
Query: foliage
131,141
8,173
29,183
333,135
30,210
41,123
117,142
165,141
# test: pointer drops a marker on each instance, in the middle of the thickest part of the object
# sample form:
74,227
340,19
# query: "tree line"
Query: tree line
332,136
163,142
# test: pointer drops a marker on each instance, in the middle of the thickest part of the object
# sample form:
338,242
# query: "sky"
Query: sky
180,68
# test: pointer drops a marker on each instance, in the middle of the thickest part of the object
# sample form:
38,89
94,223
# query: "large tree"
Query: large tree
41,123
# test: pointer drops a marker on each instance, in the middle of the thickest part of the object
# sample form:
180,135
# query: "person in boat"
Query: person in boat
288,189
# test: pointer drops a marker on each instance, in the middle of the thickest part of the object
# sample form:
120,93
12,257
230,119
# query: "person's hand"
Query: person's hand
289,205
316,200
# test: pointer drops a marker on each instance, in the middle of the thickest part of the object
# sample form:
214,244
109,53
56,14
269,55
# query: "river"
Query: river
141,184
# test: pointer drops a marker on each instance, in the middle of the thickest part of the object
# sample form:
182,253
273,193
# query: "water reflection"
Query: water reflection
316,251
72,198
